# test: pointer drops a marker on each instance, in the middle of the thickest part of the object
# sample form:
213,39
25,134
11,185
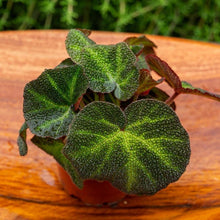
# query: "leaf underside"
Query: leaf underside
139,151
163,70
48,100
54,148
141,46
187,88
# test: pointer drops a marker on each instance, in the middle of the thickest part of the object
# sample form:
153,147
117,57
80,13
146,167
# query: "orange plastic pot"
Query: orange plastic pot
93,192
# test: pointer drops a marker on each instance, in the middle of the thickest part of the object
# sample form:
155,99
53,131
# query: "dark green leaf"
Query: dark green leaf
139,152
156,93
48,100
163,69
21,141
189,89
66,63
75,42
111,67
54,148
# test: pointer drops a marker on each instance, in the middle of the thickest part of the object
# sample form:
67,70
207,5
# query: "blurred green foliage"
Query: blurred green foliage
195,19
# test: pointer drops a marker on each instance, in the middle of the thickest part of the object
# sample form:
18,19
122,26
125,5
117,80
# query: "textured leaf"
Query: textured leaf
54,148
189,89
75,42
48,100
156,93
146,82
141,40
111,67
163,69
141,46
65,63
139,152
21,141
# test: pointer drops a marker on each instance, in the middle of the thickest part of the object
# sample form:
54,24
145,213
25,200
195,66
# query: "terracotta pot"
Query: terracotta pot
93,192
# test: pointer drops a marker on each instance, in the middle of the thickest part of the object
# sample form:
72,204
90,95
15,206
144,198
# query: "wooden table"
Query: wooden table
29,188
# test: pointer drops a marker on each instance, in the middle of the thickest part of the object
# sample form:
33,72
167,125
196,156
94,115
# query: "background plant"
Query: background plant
188,19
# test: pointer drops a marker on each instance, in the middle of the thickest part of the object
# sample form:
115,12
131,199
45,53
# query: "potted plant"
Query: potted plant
102,117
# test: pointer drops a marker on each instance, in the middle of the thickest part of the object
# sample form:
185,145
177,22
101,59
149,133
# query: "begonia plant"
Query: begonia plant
102,116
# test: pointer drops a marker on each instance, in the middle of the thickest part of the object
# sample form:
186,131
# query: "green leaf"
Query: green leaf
156,93
65,63
163,69
140,151
141,46
189,89
48,100
75,42
146,81
54,148
111,67
21,141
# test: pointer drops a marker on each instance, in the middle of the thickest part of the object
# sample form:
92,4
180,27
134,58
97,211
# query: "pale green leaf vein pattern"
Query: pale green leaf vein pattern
75,42
103,144
111,67
48,100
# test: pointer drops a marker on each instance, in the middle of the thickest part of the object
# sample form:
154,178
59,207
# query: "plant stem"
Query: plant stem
101,96
82,104
171,98
135,97
118,102
111,97
96,97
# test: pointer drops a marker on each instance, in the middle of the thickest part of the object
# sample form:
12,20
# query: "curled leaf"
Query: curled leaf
139,151
141,46
48,100
146,81
85,31
189,89
163,70
21,141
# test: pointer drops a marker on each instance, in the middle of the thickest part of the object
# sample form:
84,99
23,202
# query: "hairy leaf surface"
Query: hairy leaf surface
48,100
54,148
76,40
21,141
139,151
111,67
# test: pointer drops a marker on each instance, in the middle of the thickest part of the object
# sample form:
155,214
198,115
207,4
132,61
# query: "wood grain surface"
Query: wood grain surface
29,187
